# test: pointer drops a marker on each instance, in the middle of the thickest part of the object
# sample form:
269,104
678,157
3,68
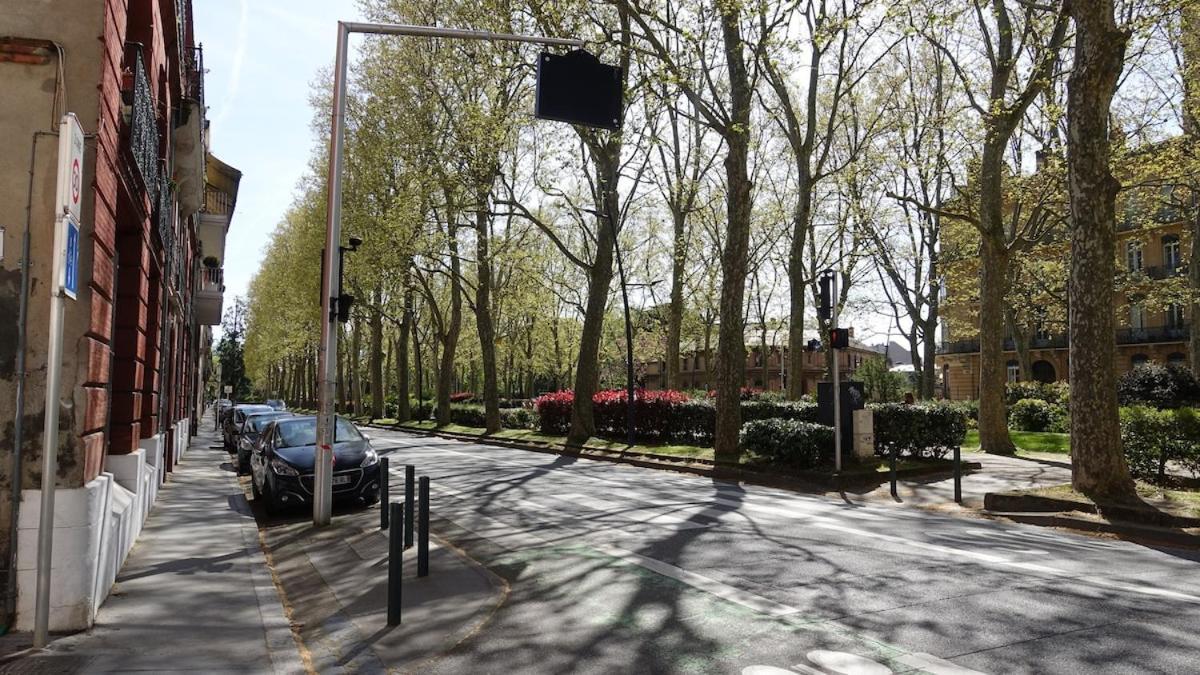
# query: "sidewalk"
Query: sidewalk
194,595
335,582
998,474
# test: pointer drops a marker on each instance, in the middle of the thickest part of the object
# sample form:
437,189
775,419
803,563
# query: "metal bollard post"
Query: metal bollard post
383,493
957,475
410,509
893,463
423,535
395,567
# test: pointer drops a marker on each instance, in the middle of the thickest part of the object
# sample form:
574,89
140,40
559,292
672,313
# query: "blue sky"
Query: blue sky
262,57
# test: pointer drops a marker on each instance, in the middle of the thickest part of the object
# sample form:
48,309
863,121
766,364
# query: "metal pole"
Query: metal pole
410,503
631,437
893,463
837,382
423,538
327,352
385,499
395,568
327,378
957,474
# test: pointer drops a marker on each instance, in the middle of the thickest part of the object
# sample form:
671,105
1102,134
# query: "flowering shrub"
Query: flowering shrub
461,396
554,411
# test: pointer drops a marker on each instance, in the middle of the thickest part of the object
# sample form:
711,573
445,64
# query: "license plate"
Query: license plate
341,480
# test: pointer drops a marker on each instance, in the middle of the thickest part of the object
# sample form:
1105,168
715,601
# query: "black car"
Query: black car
250,434
231,422
281,466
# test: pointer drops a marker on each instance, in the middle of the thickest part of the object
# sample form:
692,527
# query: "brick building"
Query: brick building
765,368
155,209
1154,251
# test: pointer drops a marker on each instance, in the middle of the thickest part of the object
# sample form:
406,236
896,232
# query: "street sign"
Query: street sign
70,167
229,389
577,88
70,281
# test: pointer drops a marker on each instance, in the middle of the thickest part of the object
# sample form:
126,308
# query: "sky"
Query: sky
261,58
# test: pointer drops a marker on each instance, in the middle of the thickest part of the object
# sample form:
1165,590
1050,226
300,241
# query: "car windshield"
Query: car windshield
304,432
256,423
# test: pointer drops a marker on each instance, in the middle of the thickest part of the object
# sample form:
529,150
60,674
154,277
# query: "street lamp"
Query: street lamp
327,373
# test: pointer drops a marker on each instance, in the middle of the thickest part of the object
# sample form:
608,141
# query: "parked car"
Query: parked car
219,408
232,420
276,404
281,466
250,435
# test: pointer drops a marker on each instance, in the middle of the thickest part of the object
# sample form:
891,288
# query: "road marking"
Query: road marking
934,665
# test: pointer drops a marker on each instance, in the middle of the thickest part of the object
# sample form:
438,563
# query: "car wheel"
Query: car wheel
254,491
269,498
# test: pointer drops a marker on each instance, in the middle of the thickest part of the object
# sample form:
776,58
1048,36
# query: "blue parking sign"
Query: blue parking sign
71,263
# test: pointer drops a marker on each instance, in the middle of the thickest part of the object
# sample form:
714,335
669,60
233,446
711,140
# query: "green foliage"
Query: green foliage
1159,386
880,384
1054,393
1031,414
925,430
1151,436
785,442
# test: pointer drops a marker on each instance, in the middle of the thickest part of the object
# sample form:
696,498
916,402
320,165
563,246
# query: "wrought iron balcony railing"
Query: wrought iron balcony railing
1127,336
141,120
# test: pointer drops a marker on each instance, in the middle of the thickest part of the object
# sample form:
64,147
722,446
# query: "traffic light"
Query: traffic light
344,302
839,338
825,305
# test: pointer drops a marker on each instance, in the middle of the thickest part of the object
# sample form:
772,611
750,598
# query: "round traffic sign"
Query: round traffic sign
76,181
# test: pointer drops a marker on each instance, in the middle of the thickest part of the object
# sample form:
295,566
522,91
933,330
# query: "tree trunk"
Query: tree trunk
418,368
1098,467
1020,336
377,355
1189,36
483,314
454,326
356,388
731,346
675,308
403,407
587,369
929,361
796,282
993,417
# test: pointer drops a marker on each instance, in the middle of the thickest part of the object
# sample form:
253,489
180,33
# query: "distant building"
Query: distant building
155,208
1153,254
766,368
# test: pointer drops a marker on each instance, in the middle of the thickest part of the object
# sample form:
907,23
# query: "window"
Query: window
1174,315
1133,256
1171,259
1014,372
1137,316
1139,360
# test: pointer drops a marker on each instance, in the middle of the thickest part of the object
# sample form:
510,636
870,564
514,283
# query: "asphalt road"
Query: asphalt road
619,569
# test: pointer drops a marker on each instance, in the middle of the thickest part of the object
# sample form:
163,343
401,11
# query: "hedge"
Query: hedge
661,416
1031,414
924,430
787,442
1159,386
1151,437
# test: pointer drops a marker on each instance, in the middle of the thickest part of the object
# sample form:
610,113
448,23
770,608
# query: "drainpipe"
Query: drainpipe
10,604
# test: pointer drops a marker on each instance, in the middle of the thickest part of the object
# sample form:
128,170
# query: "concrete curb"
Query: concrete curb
1147,533
805,482
1012,502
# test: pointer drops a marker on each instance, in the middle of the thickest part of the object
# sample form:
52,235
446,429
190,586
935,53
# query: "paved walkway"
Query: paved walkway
195,594
998,474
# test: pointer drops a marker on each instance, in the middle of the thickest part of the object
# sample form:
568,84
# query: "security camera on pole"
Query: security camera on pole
574,88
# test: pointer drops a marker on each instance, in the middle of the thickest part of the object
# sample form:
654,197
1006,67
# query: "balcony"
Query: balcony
1159,272
210,294
141,122
1151,335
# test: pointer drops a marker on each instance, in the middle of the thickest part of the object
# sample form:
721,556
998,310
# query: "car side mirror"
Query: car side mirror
366,437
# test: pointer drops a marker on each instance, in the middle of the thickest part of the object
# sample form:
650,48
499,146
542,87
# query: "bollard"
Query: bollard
395,567
383,493
410,510
423,535
957,475
893,463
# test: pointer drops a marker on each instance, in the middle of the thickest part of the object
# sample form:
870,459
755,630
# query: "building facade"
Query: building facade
766,368
1152,268
154,211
